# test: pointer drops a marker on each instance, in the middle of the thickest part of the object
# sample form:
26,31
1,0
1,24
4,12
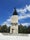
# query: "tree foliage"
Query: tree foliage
4,28
21,29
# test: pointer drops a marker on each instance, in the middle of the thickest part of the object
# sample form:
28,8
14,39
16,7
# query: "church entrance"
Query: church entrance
12,30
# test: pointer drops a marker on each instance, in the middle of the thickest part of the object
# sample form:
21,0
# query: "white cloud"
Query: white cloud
28,7
7,22
25,24
24,16
23,10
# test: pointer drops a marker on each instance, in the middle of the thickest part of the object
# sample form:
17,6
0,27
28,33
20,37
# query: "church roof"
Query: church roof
15,12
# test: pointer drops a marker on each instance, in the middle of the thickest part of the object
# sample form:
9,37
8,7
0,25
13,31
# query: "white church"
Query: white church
14,23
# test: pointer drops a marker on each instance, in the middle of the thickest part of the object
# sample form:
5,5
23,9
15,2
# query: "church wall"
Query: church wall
14,24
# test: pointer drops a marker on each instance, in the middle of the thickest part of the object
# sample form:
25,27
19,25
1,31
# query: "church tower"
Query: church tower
14,23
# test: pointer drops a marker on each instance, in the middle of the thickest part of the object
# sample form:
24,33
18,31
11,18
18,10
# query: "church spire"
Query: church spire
15,12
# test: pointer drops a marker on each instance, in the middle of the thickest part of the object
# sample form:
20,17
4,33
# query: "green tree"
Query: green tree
25,29
8,29
0,28
4,28
28,29
20,29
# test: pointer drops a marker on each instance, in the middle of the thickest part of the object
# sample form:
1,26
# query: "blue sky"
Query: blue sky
6,10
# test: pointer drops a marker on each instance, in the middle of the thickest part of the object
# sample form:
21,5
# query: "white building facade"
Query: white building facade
14,23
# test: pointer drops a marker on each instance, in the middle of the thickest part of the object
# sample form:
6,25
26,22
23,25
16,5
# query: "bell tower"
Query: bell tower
14,23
